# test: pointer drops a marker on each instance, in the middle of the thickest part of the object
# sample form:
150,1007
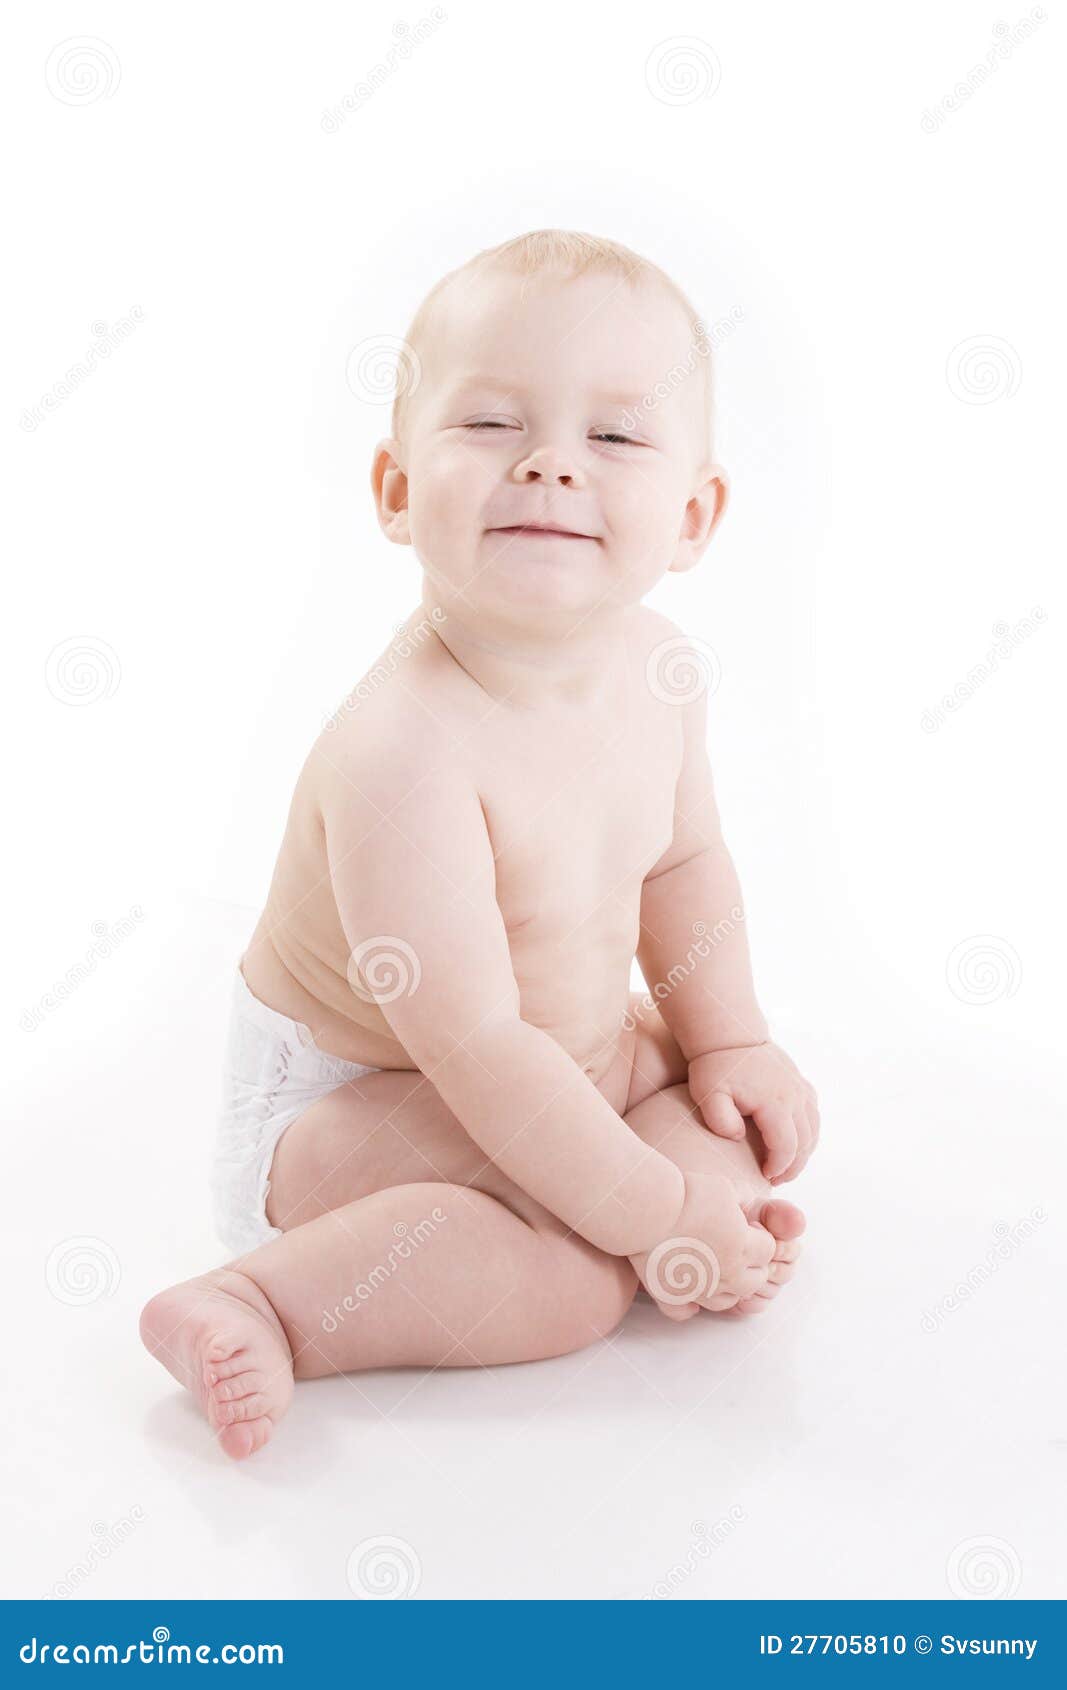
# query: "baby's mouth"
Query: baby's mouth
543,533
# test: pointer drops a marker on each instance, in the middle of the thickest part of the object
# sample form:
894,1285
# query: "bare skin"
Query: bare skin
508,808
497,1280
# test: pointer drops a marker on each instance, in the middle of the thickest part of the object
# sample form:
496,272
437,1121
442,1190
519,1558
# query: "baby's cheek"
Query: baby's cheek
645,539
444,528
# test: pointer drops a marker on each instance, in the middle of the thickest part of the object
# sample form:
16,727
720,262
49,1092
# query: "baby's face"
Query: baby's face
525,415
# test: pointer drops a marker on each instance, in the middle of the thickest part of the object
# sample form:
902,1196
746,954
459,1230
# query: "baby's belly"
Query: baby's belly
577,992
576,989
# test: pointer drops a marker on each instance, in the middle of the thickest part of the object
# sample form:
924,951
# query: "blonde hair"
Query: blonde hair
541,251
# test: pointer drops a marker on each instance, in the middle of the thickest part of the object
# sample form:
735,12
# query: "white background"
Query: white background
195,516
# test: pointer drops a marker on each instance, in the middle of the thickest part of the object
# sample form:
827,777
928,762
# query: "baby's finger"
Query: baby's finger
803,1132
775,1124
814,1121
811,1114
722,1115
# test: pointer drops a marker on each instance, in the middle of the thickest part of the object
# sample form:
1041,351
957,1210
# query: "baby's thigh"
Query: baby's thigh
385,1129
393,1128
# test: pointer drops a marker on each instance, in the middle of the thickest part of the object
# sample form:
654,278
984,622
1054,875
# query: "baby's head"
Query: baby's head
557,381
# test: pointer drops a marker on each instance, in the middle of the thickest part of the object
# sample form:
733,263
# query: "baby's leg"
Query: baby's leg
669,1121
427,1274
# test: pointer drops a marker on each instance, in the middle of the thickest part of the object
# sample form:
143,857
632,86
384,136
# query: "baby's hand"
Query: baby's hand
762,1081
714,1256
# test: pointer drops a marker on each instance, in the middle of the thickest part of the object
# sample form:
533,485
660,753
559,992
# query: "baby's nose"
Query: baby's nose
549,464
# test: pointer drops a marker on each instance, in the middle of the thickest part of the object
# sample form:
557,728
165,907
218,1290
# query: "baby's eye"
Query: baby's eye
616,439
488,423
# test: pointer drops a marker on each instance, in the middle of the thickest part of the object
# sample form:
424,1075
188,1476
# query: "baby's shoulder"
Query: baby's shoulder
389,740
650,627
653,638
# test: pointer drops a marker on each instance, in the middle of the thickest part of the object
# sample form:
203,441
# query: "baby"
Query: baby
452,1136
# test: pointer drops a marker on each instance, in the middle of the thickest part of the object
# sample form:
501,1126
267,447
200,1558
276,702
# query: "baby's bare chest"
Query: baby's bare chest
577,819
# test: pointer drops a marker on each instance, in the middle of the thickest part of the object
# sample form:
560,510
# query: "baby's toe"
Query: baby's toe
238,1385
783,1219
219,1349
243,1440
788,1249
678,1311
244,1409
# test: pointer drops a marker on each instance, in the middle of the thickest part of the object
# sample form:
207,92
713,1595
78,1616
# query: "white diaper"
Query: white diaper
272,1073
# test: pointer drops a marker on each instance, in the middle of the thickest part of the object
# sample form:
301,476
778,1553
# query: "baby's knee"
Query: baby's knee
595,1294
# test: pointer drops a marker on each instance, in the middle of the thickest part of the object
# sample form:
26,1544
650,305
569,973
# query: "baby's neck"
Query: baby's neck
581,670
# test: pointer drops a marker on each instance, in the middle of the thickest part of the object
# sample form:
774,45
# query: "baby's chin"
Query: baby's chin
553,581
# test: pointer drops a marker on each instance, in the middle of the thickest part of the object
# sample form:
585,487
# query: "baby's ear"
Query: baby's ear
703,513
389,484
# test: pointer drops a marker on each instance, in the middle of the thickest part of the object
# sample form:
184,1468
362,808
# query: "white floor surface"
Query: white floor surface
862,1439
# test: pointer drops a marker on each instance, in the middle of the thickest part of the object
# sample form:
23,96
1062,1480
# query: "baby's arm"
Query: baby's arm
412,868
694,955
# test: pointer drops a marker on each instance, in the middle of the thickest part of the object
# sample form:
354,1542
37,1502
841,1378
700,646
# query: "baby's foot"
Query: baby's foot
785,1222
220,1338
